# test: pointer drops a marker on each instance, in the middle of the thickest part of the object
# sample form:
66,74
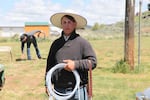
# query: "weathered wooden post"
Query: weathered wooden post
129,33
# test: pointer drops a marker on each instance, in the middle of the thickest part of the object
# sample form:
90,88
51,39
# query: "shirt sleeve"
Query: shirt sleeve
88,57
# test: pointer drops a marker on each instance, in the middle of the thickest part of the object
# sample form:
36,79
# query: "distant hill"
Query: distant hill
145,23
117,29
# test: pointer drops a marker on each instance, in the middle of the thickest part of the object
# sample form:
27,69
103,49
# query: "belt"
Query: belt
71,89
68,85
68,88
82,86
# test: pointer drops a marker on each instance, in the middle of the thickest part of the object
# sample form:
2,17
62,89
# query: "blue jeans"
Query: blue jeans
83,93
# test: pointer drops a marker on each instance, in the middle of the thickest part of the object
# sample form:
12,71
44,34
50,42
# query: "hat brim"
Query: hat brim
56,20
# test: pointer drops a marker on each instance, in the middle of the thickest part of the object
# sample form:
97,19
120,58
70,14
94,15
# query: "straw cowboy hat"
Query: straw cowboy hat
56,19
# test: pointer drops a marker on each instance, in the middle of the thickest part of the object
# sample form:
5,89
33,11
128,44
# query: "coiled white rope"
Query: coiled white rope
57,95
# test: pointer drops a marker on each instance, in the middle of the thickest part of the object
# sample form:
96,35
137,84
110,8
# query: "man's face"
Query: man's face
68,26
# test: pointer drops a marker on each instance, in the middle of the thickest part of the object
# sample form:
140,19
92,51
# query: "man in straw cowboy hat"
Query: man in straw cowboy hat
72,49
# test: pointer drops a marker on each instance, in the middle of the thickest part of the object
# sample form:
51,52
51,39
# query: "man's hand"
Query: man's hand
70,65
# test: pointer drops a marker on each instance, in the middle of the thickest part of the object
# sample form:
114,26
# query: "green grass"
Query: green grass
25,79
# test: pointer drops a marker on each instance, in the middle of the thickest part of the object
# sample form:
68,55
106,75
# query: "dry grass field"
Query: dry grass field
25,79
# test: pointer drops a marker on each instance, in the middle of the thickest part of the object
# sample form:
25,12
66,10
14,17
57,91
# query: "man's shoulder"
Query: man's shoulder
57,41
81,39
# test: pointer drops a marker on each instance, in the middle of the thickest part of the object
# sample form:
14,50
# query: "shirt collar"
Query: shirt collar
66,37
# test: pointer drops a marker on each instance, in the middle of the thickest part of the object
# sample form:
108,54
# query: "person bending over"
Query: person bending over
29,38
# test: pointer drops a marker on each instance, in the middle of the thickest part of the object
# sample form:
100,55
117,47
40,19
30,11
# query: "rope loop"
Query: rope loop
57,95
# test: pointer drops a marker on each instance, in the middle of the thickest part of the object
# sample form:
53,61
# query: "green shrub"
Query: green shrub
121,67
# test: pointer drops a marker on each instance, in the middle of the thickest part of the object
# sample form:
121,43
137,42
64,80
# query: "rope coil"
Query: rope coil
57,95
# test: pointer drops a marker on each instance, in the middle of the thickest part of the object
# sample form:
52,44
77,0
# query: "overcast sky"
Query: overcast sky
16,12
